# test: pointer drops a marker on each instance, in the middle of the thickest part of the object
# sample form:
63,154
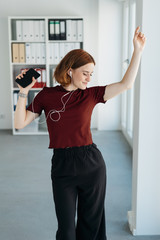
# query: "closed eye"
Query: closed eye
87,74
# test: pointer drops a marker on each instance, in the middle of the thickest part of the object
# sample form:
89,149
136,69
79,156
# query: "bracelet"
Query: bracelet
22,95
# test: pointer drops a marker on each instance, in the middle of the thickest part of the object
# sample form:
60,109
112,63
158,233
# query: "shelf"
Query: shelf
16,41
32,89
45,47
30,64
31,133
49,41
61,41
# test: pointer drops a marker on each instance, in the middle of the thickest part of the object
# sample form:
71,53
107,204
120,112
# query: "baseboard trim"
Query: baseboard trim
131,222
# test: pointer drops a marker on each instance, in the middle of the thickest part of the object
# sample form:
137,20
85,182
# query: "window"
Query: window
129,25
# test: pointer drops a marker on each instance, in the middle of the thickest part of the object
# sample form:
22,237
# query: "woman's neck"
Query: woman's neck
70,87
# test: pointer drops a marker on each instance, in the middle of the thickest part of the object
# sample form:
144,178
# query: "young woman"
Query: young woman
78,169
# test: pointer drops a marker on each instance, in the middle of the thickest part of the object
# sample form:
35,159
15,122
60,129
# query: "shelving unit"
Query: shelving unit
49,63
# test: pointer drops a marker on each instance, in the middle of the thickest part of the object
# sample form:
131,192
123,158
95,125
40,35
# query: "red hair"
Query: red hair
73,59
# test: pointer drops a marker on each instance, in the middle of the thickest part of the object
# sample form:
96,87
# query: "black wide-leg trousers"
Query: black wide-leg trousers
79,176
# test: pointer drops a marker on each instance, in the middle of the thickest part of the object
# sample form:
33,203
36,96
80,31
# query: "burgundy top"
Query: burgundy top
73,127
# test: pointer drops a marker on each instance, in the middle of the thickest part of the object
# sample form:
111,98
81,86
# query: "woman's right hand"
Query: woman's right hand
26,89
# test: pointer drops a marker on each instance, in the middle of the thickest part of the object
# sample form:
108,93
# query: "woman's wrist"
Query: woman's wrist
23,94
138,51
23,91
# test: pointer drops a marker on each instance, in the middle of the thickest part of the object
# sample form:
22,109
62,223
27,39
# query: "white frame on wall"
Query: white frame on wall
127,110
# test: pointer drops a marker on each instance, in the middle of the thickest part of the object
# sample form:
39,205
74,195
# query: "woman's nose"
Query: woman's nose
88,78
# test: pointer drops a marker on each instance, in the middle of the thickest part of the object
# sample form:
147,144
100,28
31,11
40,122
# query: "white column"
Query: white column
144,218
109,60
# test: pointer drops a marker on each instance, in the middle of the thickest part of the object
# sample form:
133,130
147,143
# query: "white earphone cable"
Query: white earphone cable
55,111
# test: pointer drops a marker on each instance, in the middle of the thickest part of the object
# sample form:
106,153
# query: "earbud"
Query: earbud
70,73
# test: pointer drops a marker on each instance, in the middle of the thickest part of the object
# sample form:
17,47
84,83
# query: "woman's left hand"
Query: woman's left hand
139,40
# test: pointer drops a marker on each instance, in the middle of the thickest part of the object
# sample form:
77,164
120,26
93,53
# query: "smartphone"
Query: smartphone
27,78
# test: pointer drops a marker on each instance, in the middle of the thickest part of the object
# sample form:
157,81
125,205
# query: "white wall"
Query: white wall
109,60
88,9
145,214
109,40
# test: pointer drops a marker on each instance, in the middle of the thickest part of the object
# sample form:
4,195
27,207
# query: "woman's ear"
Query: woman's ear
69,73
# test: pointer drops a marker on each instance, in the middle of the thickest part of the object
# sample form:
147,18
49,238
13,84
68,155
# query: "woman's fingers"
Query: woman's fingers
21,75
137,29
142,36
34,80
24,72
139,34
32,83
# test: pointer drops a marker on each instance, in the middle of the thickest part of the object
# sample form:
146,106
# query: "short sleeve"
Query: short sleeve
36,106
97,93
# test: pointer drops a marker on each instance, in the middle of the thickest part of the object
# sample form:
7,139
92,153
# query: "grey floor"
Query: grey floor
26,205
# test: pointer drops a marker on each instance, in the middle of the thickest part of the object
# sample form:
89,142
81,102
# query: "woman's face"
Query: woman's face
82,76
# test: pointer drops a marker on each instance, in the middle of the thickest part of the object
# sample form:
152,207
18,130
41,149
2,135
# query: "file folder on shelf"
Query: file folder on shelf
42,31
19,30
43,78
50,53
61,50
28,52
74,30
80,30
68,29
55,53
38,83
15,52
43,51
57,29
51,30
21,49
15,99
33,53
38,53
36,31
31,30
25,27
63,30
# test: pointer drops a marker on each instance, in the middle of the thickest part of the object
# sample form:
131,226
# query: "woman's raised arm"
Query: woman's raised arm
127,82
